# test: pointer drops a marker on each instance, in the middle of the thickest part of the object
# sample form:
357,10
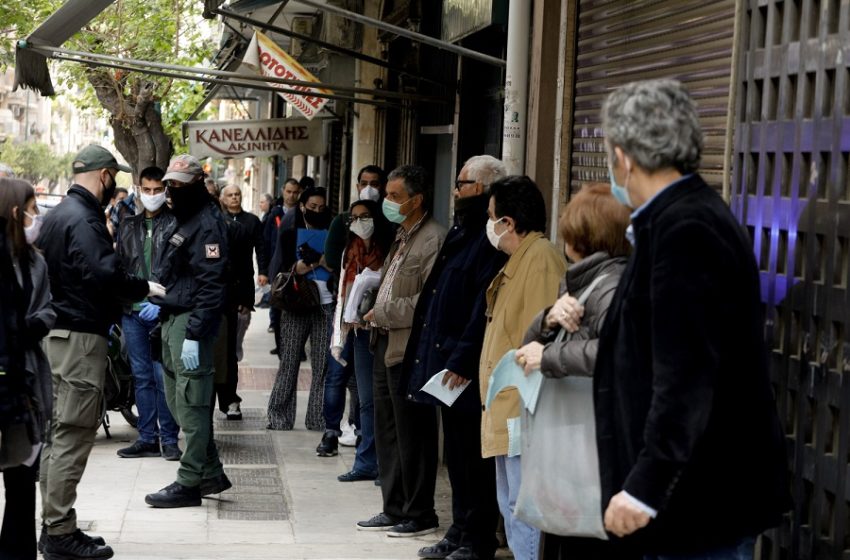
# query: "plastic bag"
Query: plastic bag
560,492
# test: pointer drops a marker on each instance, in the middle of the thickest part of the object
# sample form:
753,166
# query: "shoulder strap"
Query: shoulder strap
582,299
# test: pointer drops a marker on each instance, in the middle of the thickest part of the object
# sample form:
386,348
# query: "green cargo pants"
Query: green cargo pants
78,361
188,394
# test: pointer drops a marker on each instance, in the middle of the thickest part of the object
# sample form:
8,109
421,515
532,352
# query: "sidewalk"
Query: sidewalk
286,502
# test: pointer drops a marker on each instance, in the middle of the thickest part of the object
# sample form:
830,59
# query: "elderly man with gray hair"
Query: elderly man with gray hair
447,335
6,171
691,452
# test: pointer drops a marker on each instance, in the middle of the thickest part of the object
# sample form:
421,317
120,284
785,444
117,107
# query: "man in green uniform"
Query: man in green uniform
192,267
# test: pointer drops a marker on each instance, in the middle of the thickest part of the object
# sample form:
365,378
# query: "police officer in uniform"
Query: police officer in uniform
193,269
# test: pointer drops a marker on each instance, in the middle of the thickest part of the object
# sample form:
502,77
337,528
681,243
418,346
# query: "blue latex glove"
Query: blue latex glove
149,312
189,355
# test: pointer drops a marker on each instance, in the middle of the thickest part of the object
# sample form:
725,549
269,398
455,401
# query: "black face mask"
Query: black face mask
188,200
317,220
108,191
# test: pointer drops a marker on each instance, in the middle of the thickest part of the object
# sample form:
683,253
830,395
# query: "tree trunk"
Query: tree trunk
136,122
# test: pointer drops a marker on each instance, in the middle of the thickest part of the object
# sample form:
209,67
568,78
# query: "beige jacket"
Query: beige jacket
527,284
396,315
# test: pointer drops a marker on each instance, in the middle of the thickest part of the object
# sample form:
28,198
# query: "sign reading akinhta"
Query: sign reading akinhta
239,139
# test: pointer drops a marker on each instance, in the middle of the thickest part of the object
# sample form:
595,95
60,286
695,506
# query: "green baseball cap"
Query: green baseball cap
94,157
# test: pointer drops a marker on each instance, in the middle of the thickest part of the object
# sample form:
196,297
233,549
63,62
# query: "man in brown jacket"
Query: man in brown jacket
405,432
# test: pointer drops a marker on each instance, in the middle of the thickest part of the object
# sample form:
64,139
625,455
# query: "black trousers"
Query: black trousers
226,391
554,547
17,538
475,512
406,441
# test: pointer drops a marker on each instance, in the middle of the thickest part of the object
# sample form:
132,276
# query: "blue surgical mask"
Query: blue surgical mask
618,191
392,210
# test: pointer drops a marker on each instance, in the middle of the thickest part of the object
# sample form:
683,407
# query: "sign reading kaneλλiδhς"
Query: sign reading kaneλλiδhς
239,139
270,60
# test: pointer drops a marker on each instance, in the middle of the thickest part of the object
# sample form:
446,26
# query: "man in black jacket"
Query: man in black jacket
449,324
141,238
691,452
193,269
88,286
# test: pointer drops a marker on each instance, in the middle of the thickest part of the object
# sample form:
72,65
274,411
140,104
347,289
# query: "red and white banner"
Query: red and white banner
270,60
239,139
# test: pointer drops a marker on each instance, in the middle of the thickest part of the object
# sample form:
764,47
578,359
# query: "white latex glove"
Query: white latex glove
189,355
155,289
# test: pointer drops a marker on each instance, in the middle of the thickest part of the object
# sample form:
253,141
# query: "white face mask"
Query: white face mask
363,228
492,236
370,193
152,202
31,231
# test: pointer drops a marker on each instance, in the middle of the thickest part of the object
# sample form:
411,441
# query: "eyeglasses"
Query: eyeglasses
459,184
360,218
375,184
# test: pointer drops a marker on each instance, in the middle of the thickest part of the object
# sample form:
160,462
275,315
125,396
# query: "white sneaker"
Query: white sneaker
234,412
348,437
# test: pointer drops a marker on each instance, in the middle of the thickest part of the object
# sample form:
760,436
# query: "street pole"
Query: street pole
516,87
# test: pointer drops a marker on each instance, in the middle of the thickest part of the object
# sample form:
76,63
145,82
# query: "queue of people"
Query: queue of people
654,296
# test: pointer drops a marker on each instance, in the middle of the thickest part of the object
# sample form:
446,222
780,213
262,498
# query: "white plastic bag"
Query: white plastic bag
560,491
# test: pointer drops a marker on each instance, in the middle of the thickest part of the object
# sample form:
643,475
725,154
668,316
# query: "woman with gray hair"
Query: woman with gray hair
687,428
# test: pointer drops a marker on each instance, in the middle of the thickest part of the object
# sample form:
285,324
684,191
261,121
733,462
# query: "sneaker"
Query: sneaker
171,452
215,485
140,449
175,495
74,546
413,528
440,550
349,437
42,538
328,445
234,412
380,522
355,476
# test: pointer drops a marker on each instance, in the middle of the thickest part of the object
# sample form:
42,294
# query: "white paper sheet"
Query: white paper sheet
442,392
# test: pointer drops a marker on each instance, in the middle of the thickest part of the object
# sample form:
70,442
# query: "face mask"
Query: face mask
152,202
617,191
188,200
108,191
370,193
392,210
363,228
31,231
318,220
492,236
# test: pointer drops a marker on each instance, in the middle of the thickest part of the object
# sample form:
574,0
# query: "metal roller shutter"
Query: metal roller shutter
620,41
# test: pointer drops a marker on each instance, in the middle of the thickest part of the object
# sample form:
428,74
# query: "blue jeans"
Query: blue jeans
336,382
523,539
741,550
150,391
366,458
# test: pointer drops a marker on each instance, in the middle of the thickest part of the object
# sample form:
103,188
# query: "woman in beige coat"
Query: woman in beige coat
527,284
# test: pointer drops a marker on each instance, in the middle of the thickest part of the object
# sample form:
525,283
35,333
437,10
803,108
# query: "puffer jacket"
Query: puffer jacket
577,354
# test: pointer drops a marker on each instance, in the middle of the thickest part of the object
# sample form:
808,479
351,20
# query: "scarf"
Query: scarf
357,258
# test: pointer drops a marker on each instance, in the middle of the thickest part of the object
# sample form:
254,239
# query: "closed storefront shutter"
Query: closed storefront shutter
620,41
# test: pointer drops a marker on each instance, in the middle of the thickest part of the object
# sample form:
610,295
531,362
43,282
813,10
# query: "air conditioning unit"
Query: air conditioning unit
303,25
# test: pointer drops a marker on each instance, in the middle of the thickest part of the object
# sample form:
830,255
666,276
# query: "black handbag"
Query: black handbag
294,293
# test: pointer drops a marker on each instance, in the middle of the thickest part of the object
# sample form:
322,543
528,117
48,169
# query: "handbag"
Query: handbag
560,490
294,293
367,302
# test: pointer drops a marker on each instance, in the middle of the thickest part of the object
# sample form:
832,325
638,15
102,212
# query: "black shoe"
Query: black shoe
74,546
464,553
274,352
42,538
378,481
413,528
355,476
380,522
440,550
175,495
171,452
329,445
215,485
140,449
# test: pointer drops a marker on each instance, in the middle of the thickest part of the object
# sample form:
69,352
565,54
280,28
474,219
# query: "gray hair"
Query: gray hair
230,186
415,179
268,198
485,169
656,123
6,171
